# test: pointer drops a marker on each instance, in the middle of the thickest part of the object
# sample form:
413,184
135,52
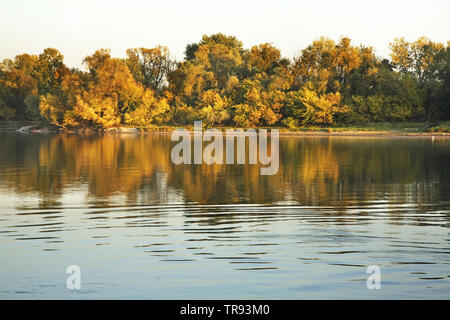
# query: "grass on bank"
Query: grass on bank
403,127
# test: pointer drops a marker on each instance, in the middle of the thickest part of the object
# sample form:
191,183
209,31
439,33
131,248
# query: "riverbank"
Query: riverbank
378,129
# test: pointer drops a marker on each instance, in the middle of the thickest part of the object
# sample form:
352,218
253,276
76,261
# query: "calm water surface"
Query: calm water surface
141,227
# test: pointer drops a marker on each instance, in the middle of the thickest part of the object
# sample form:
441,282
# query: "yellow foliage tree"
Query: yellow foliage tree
147,110
319,108
213,108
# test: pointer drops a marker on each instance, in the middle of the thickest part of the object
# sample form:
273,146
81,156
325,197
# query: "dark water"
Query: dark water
141,227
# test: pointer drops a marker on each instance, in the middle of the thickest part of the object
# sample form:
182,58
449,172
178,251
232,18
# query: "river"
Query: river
141,227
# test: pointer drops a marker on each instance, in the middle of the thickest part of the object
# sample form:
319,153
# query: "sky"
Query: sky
79,27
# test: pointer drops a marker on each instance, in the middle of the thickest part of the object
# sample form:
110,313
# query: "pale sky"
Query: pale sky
79,27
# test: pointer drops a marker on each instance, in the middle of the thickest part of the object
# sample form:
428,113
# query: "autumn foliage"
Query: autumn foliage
222,83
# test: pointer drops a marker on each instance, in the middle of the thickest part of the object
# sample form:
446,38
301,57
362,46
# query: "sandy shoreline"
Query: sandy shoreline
386,134
370,134
282,133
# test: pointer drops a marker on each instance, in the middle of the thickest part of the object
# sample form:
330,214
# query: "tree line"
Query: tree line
224,84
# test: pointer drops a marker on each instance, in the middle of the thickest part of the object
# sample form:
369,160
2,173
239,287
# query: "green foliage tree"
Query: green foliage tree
16,83
150,66
419,59
49,70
